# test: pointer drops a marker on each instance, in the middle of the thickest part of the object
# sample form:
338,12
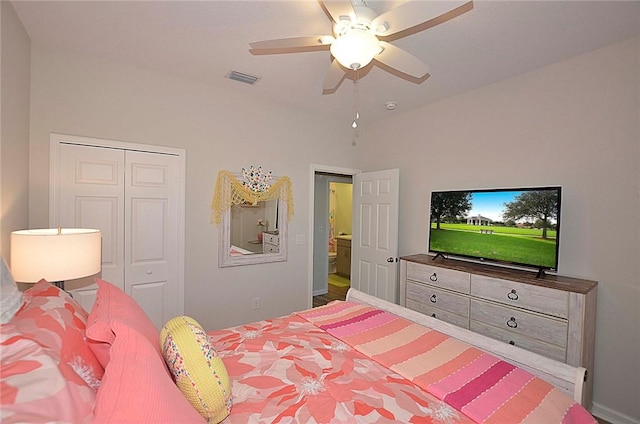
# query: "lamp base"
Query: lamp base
60,285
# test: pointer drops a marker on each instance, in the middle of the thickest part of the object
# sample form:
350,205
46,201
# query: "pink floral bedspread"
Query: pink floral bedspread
288,370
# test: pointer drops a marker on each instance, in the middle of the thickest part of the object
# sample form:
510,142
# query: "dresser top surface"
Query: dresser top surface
553,281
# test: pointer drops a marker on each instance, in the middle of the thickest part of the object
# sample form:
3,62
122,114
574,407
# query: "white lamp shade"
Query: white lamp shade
355,49
55,254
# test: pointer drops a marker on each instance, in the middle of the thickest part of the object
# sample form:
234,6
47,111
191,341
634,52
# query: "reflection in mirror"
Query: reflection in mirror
243,241
250,222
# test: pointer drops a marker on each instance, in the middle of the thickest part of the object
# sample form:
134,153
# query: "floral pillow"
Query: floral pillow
47,371
51,318
197,368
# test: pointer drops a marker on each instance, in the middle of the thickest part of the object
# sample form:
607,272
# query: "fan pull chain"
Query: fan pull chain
356,115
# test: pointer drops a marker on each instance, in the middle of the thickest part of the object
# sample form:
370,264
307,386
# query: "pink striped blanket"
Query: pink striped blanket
481,386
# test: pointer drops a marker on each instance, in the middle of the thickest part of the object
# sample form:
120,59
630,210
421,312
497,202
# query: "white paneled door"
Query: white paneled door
151,225
374,244
91,195
136,198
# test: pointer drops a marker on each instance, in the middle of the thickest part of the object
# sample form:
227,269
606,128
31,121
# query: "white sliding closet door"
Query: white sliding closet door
136,198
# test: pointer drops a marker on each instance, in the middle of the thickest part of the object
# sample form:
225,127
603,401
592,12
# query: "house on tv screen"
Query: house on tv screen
479,220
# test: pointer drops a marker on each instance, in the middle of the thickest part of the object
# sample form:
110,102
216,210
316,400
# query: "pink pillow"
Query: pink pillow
53,319
112,304
36,386
136,387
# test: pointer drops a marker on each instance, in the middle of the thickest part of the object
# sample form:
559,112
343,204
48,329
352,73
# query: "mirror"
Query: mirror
253,233
250,222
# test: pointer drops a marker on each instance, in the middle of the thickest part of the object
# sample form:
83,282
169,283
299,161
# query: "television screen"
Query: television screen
512,226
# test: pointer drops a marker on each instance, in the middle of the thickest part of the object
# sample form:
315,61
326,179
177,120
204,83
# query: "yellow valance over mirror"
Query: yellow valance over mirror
231,191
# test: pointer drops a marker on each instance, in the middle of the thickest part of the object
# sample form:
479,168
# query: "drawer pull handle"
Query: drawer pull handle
433,277
512,323
433,298
512,343
512,295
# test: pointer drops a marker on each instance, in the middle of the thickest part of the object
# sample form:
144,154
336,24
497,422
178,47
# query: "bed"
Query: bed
363,360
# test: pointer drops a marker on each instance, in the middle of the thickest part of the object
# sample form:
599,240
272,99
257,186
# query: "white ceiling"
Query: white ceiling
204,40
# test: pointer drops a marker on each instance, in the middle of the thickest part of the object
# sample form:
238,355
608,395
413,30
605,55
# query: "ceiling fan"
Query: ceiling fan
360,35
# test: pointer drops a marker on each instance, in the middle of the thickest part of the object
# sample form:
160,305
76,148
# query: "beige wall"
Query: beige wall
220,128
14,127
574,124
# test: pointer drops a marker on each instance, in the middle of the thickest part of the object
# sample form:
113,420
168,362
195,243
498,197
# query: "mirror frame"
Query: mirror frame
224,255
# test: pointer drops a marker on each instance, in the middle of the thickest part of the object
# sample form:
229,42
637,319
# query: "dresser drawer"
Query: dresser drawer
519,340
270,248
441,314
517,321
437,298
441,277
271,238
534,298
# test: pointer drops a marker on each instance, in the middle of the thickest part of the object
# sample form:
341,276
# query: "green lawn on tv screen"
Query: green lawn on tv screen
510,244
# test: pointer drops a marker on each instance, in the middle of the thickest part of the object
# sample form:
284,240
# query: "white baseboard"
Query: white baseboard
318,292
614,417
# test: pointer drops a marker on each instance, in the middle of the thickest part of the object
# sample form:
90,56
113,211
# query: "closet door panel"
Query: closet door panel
91,195
102,213
151,212
148,231
151,297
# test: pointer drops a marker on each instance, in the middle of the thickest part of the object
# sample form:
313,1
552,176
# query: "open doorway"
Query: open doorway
332,228
374,247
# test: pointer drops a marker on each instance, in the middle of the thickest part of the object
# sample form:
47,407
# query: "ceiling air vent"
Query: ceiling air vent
242,77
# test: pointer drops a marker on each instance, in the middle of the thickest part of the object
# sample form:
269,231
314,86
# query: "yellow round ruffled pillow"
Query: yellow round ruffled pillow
196,367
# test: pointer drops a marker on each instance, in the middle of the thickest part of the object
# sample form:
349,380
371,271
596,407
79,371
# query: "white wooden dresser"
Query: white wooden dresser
270,242
553,316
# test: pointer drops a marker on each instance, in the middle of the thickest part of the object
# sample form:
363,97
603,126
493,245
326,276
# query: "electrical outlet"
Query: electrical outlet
255,303
300,239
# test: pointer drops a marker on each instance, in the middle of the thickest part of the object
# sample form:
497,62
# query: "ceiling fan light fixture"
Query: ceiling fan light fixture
326,40
382,28
355,49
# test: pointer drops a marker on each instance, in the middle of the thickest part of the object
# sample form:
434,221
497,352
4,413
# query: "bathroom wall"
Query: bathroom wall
344,197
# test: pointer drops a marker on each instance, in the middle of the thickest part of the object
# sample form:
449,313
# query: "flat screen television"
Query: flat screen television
514,226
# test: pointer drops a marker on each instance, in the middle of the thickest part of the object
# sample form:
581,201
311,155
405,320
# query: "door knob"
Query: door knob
390,259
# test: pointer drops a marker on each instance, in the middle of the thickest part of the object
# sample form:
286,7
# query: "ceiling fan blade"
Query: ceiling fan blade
398,59
292,45
338,8
334,77
421,14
